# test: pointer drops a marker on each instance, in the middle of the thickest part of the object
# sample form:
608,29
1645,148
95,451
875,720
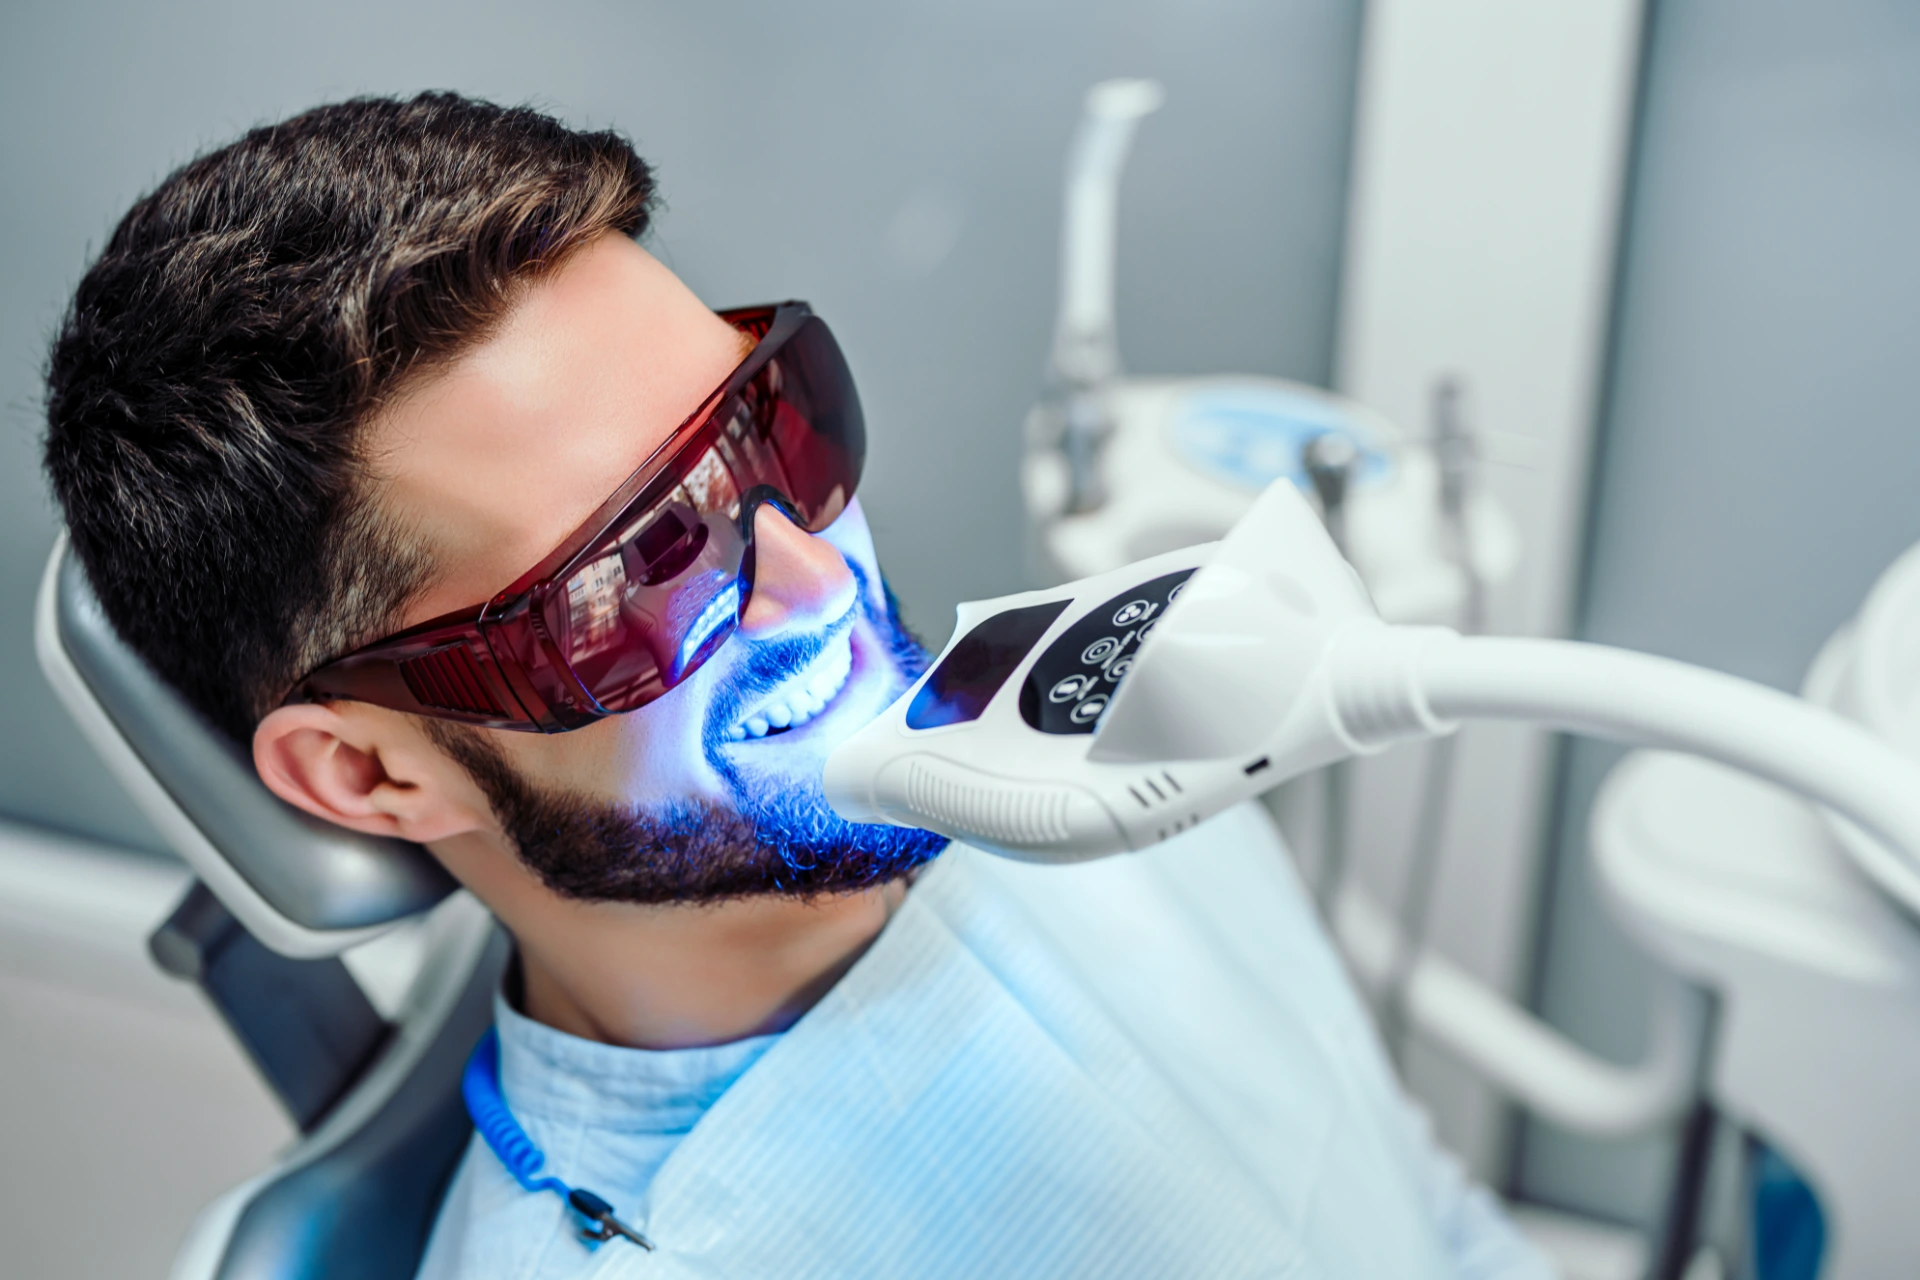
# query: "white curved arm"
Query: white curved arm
1641,700
1085,350
1397,683
1526,1059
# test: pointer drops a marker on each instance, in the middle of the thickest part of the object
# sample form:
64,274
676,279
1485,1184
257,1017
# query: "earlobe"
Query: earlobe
336,766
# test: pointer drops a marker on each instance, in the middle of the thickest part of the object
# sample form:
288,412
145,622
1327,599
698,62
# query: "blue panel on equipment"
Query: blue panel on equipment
1249,436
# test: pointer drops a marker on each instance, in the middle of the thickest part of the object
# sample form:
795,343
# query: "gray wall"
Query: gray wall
898,164
1760,456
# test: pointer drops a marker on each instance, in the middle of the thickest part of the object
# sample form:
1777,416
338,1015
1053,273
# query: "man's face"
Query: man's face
492,460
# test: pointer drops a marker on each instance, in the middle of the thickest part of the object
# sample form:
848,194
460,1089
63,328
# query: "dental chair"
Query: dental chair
279,898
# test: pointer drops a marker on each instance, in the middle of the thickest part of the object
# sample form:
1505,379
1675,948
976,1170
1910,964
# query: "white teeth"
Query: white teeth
803,702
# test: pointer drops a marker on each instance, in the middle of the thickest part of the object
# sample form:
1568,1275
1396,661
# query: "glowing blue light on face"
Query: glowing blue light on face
720,611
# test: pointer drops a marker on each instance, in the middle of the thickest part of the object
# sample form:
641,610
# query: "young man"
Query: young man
383,440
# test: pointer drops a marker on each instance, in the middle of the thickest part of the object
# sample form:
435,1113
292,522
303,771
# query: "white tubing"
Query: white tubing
1085,350
1549,1074
1527,1060
1641,700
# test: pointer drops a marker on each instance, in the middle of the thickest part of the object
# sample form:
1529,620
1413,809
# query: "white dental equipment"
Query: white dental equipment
1110,713
1120,467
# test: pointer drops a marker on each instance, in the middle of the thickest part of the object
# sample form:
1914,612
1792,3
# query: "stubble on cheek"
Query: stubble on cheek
643,759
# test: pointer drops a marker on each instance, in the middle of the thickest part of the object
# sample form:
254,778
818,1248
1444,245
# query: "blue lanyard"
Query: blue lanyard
480,1087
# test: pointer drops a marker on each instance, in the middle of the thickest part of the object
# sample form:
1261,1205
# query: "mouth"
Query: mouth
807,694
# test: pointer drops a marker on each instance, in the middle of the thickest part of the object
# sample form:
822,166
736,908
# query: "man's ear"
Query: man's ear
365,770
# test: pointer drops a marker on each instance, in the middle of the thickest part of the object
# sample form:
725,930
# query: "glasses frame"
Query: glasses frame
497,665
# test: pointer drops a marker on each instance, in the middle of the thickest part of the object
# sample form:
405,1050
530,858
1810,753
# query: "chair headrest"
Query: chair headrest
301,885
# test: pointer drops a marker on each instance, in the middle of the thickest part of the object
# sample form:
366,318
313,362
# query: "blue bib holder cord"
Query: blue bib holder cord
480,1087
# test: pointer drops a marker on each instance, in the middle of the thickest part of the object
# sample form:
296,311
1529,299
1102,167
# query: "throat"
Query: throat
683,977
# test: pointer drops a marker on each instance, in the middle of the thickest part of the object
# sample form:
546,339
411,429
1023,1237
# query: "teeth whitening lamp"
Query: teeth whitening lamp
1110,713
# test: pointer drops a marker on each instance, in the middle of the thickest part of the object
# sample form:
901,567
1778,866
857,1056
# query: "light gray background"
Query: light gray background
1760,453
896,163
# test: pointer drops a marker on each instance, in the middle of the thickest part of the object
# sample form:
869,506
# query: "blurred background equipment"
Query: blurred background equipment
1120,468
1654,259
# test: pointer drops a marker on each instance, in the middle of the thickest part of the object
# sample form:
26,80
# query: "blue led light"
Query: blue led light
720,611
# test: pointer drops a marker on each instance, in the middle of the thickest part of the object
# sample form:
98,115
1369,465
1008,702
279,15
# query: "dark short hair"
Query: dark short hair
208,386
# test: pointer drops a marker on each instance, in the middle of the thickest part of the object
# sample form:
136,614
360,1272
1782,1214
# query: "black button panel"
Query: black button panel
973,670
1069,688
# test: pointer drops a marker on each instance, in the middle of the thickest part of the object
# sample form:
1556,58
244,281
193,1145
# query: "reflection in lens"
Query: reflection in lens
593,606
720,611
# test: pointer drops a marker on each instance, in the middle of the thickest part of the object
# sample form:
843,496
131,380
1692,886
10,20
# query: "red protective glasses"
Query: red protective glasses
657,579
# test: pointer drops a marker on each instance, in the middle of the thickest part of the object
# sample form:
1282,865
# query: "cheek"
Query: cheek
648,757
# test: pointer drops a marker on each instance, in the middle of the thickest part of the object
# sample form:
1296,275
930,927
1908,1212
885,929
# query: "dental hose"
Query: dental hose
1454,457
1416,896
1329,460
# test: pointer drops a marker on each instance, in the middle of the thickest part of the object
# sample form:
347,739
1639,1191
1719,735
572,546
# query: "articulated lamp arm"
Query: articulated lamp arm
1640,700
1273,650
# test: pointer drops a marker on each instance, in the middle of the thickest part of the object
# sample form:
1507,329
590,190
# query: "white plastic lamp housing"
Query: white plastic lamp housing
1113,712
1249,633
1206,685
988,776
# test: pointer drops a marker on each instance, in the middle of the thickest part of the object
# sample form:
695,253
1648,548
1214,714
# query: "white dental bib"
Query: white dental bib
1143,1066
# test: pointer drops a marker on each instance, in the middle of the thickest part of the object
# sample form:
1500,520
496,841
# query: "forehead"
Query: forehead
492,459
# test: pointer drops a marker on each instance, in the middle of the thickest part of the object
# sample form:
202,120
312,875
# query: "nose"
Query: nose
800,582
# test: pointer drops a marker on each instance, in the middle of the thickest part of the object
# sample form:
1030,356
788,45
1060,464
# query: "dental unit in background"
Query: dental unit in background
1120,467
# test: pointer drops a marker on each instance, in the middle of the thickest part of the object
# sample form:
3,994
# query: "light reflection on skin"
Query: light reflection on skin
673,749
491,460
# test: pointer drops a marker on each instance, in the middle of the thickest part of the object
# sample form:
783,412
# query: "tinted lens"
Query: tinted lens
633,621
662,590
797,426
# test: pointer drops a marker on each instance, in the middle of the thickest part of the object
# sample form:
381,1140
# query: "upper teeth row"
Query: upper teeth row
800,702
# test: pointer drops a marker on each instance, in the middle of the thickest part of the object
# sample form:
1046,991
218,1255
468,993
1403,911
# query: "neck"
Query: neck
670,977
678,976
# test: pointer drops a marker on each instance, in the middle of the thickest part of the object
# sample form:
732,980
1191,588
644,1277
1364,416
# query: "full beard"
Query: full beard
777,837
